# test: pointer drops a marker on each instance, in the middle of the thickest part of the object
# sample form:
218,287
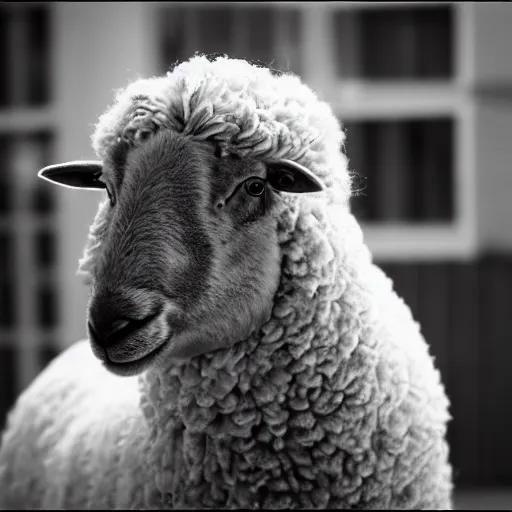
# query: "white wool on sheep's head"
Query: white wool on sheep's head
246,109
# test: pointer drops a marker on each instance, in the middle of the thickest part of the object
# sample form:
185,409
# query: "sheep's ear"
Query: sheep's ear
80,174
288,176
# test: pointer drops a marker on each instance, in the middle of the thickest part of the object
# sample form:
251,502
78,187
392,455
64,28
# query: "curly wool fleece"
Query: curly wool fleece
334,403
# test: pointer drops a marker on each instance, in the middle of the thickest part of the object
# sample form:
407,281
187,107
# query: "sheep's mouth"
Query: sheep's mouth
133,367
132,355
135,344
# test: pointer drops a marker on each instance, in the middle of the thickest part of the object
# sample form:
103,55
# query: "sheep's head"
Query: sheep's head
190,260
201,168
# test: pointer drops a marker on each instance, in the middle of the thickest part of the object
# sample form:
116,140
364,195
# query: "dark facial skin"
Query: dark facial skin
190,260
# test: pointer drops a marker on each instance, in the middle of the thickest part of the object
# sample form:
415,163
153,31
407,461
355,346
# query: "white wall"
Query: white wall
494,173
493,42
491,70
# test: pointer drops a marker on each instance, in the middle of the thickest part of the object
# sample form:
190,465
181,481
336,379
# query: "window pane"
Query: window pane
399,44
257,33
7,281
172,37
25,47
45,248
288,45
406,169
43,200
214,33
8,382
39,55
46,306
4,57
47,353
5,176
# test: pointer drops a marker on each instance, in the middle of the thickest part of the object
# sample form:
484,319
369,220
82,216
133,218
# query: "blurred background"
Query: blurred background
425,94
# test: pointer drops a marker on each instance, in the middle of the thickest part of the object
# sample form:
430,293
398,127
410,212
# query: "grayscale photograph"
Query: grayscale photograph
255,255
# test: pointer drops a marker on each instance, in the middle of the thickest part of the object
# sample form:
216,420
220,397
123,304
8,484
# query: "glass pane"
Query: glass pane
39,55
172,37
287,49
4,57
45,248
47,353
405,167
46,305
256,33
398,44
43,200
8,381
255,41
7,281
5,176
25,46
213,29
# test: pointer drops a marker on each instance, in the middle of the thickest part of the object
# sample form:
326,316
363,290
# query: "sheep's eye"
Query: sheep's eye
255,187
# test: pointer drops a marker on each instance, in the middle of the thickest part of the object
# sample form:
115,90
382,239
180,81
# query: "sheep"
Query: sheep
244,349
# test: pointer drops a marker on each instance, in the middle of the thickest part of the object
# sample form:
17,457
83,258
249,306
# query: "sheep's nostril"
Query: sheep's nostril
108,333
116,317
117,325
105,330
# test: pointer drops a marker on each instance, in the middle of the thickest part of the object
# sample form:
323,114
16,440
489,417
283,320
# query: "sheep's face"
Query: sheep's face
189,261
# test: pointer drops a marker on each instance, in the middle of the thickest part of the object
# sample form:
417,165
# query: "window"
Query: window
408,173
254,32
28,282
7,270
394,43
8,378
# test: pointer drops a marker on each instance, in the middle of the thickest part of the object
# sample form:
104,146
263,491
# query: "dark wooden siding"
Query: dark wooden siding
465,310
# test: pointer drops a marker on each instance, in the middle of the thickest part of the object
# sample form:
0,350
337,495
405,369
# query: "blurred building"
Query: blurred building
425,93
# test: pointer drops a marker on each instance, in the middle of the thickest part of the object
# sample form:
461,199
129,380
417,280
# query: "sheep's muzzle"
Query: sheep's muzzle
127,328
